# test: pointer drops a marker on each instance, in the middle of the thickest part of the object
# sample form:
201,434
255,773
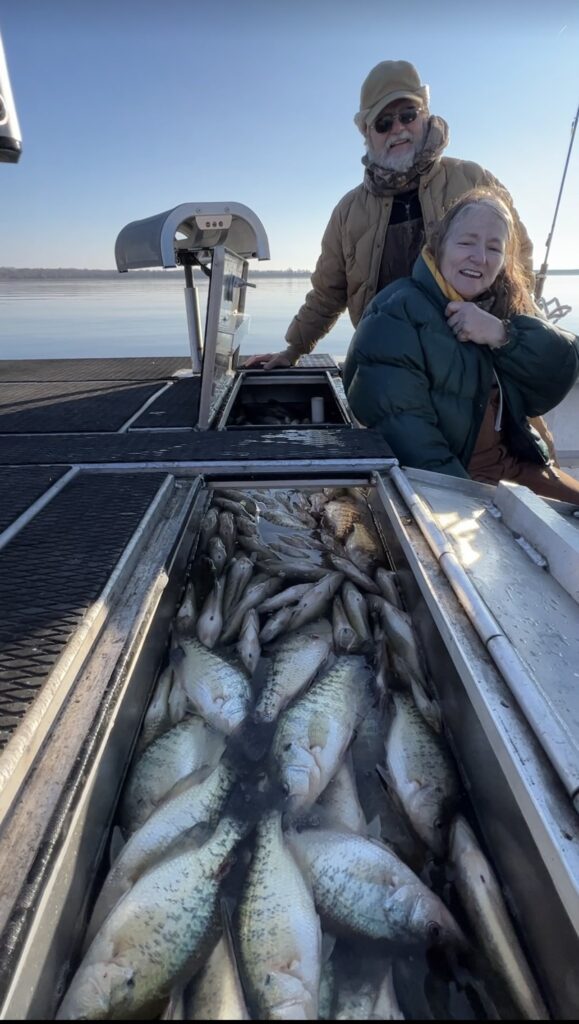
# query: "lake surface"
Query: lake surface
129,316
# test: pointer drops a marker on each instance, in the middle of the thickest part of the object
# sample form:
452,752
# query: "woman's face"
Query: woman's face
473,253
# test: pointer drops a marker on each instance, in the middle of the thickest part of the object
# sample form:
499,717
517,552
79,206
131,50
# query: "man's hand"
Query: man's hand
470,323
269,361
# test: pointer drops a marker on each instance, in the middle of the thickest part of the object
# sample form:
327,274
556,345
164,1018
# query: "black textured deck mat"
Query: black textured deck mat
53,570
178,406
134,368
45,407
317,360
207,446
20,487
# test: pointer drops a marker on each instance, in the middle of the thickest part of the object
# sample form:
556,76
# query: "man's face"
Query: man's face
397,148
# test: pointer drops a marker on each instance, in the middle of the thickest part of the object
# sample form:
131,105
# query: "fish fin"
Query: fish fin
375,828
116,844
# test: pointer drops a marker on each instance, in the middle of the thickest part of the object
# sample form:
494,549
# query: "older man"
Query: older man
377,230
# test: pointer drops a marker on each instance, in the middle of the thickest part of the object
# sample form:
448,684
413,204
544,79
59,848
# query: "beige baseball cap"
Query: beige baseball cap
388,81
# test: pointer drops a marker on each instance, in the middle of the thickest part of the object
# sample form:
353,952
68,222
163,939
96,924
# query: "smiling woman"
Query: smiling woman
451,363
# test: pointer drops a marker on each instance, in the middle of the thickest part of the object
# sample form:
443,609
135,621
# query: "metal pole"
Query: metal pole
540,279
193,319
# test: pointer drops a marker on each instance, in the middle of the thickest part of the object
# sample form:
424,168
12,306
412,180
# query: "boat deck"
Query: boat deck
63,526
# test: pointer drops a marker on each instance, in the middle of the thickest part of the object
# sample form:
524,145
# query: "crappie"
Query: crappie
253,596
314,733
314,603
339,516
295,663
361,579
227,531
279,931
482,899
164,927
362,889
386,580
217,992
210,621
248,645
217,690
194,804
187,747
363,548
276,624
238,575
186,617
291,595
157,718
345,636
357,611
422,774
340,801
208,528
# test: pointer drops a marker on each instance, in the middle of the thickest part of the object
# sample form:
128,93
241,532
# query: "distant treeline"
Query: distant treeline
68,273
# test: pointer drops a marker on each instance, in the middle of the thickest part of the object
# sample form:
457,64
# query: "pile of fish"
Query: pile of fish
294,839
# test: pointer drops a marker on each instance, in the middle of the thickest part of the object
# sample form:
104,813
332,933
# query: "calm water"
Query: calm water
127,316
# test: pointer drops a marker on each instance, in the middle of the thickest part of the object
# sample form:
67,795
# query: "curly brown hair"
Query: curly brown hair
510,288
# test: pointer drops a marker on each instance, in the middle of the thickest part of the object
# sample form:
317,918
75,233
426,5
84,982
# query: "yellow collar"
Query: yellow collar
446,288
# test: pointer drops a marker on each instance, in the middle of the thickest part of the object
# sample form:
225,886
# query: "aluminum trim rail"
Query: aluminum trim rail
548,729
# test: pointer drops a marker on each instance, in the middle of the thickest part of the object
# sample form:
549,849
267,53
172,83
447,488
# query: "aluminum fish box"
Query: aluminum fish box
490,580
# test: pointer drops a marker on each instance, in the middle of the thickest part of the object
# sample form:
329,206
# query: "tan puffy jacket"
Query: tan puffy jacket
346,273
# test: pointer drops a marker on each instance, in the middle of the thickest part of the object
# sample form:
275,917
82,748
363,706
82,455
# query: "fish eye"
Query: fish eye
433,931
285,789
287,747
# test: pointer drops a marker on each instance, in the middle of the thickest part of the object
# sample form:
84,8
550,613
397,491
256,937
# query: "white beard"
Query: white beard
390,160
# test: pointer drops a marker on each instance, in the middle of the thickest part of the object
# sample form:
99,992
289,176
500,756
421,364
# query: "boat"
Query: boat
109,467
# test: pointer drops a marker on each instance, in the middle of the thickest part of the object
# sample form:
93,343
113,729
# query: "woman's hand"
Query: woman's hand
470,323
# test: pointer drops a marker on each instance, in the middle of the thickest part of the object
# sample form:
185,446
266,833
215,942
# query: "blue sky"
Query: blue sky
130,107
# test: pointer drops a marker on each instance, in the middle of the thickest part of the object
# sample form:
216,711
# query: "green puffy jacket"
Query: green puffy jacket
407,375
347,271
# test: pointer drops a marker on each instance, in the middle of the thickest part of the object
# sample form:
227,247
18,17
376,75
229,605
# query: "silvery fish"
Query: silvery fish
194,803
422,775
239,497
356,610
288,596
253,596
186,617
314,603
298,520
280,937
157,718
397,625
208,528
217,553
361,579
163,928
363,548
217,690
217,992
314,733
248,645
245,507
276,624
187,747
345,636
295,663
238,575
227,531
386,580
483,901
210,621
362,889
341,803
293,568
339,516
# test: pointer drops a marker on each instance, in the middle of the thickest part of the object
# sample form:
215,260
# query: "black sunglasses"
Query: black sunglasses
384,124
